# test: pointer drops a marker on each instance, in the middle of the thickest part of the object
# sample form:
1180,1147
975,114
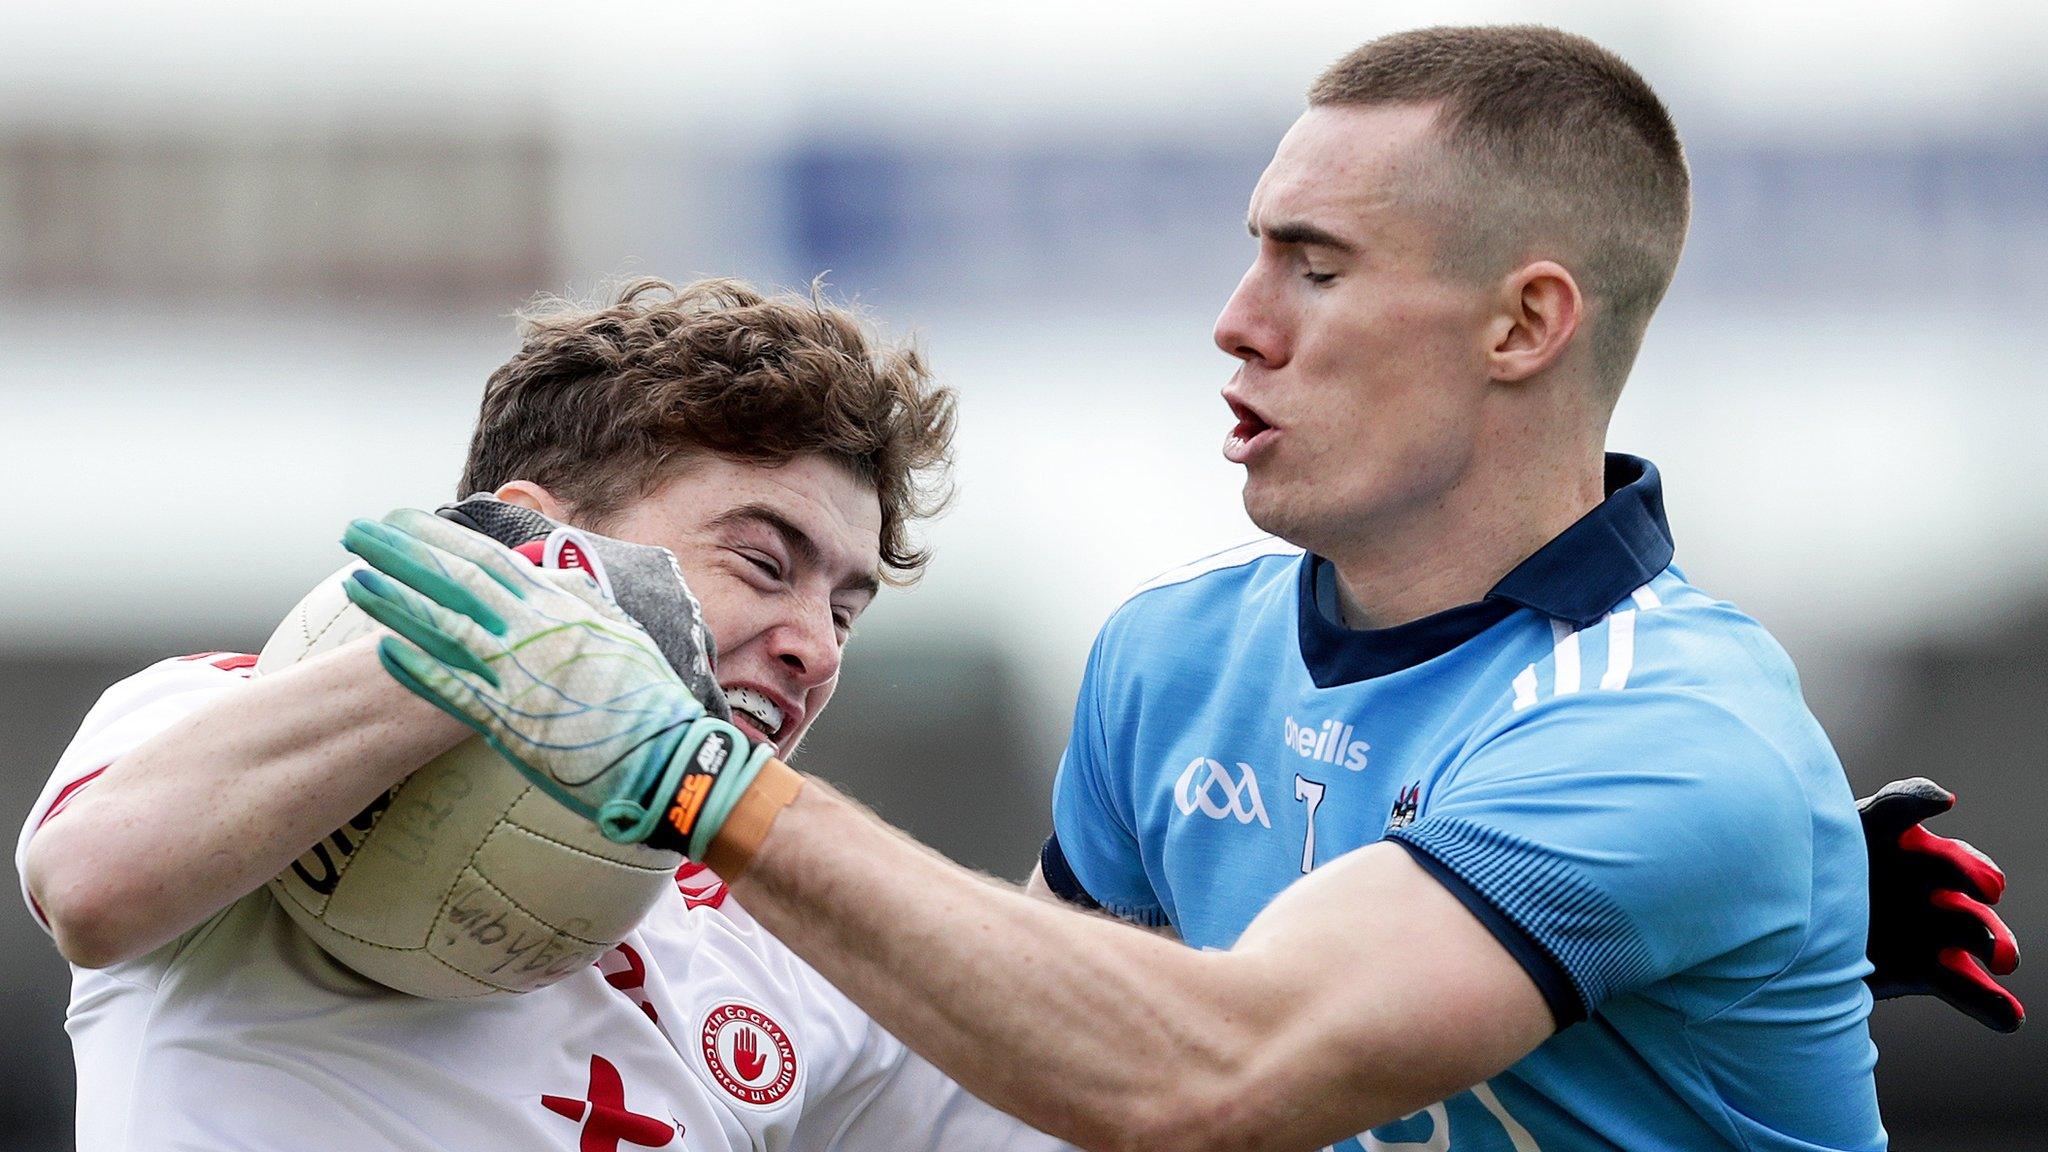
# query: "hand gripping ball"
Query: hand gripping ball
466,881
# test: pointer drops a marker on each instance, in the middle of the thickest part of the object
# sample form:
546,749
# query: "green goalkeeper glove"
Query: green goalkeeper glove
548,670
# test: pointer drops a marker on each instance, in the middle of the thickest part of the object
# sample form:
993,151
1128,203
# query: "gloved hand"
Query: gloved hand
643,580
566,686
1931,930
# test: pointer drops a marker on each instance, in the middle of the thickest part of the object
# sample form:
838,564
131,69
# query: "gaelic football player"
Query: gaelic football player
776,448
1491,829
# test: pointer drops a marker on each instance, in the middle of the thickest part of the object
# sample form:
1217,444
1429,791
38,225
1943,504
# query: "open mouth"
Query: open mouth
1246,436
760,713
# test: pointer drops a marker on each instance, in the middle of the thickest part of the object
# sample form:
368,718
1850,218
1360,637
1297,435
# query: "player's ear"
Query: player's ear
527,494
1539,311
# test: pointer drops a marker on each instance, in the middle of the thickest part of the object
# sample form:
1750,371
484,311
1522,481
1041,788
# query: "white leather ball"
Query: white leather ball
465,880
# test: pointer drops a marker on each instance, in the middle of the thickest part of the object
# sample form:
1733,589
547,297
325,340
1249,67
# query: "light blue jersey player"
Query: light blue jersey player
1613,770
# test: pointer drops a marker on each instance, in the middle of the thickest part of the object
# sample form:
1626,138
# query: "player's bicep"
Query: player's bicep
1405,996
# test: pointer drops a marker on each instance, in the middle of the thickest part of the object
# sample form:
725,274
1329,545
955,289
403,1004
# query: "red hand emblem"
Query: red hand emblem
746,1055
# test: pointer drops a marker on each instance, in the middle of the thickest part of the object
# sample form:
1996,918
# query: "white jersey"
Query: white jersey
700,1031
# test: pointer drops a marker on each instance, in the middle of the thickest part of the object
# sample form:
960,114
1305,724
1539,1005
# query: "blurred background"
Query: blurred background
256,261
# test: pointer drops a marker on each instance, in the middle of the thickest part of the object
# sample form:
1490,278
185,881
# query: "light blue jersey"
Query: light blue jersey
1613,770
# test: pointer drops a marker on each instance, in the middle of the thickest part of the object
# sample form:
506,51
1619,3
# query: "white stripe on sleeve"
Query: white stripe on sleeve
1567,657
1525,688
1621,649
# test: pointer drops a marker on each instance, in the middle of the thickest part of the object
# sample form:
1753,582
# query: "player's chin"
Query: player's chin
1271,505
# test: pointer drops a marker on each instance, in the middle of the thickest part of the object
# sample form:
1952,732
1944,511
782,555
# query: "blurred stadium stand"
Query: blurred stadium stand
434,214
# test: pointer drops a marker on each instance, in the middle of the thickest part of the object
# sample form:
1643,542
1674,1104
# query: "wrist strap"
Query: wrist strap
708,765
746,826
731,785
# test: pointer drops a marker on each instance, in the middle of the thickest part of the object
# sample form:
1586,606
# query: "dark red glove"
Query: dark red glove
1932,931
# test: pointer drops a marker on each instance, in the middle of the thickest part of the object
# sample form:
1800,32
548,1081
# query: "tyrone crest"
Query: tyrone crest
748,1053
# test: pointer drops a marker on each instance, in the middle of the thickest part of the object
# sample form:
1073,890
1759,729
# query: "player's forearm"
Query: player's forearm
217,804
1095,1031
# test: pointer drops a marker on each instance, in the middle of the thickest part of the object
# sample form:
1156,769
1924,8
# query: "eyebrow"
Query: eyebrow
796,540
1300,232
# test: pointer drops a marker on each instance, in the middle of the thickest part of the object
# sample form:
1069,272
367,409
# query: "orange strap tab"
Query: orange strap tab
747,825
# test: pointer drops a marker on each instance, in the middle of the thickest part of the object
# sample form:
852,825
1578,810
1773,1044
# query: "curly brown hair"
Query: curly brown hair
600,406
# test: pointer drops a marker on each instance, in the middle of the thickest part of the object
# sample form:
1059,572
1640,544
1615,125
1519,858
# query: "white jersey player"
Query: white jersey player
779,451
699,1031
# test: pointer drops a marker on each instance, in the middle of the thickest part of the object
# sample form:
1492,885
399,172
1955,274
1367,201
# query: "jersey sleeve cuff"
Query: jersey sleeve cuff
1567,1007
1539,891
1059,876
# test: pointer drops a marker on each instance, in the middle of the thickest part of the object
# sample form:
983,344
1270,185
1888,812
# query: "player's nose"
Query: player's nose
1246,328
807,647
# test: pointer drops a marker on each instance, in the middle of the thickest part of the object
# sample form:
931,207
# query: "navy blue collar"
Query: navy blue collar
1578,577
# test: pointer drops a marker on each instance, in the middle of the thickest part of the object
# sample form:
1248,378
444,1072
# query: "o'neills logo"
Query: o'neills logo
749,1054
1332,743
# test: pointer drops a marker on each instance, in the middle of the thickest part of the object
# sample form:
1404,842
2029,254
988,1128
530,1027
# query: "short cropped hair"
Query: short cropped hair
601,405
1555,137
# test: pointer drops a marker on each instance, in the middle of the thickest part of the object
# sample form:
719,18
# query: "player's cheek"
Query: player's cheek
732,611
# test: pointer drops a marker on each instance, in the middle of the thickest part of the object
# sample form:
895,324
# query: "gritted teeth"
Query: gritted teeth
756,707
